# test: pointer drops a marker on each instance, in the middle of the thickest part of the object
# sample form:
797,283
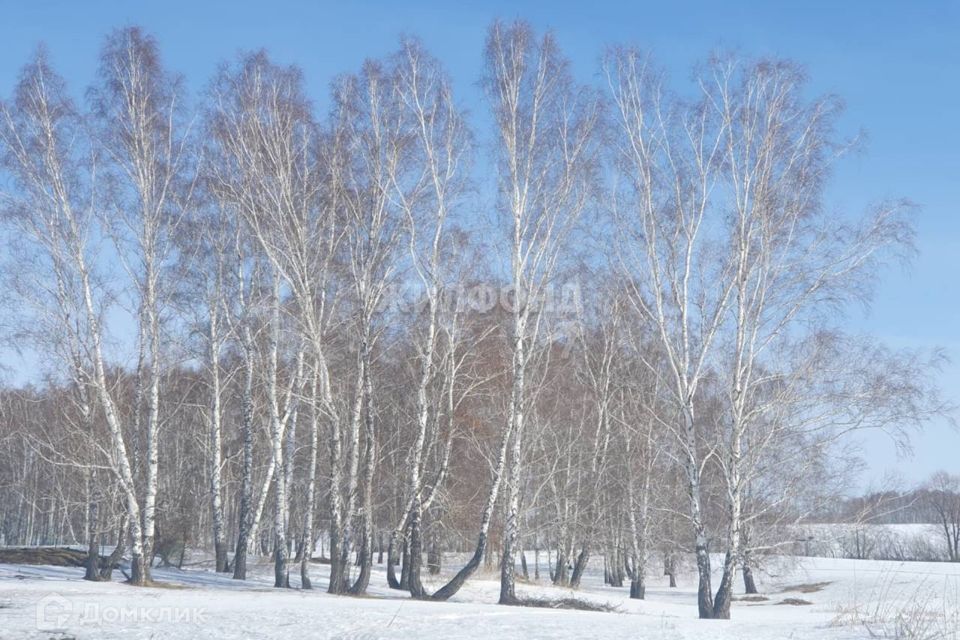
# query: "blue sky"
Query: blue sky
896,64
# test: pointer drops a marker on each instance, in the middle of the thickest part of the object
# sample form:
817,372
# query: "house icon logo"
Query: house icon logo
53,612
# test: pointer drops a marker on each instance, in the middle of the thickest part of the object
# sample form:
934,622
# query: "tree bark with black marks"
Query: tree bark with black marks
545,126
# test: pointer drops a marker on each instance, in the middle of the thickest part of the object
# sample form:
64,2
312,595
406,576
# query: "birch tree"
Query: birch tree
545,125
206,247
731,256
137,111
377,147
40,274
439,143
44,151
668,154
790,262
266,139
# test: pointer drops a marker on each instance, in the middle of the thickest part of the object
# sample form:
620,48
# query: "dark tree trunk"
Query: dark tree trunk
482,548
416,550
369,460
704,589
106,572
405,567
93,549
508,594
449,589
246,482
183,550
304,573
749,585
670,569
220,549
559,575
582,560
721,603
338,576
613,568
150,552
281,577
434,556
392,562
366,560
240,555
138,570
298,552
536,560
638,589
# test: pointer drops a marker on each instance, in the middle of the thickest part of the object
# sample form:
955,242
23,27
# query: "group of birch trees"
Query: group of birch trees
271,331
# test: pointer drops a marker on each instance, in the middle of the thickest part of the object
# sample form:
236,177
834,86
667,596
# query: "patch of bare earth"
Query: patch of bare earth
809,587
751,598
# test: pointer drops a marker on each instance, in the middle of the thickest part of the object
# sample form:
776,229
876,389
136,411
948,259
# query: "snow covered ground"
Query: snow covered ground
847,599
921,542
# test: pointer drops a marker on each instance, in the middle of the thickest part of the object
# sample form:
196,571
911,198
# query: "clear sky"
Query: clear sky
896,63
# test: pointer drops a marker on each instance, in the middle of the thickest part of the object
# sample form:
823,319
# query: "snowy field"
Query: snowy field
847,599
921,542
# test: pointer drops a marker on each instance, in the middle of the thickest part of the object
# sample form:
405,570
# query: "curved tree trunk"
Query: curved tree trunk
721,603
583,559
448,590
392,561
106,571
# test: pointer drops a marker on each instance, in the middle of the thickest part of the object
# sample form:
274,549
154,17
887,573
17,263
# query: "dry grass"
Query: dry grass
56,556
795,602
566,603
168,585
890,611
809,587
751,598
